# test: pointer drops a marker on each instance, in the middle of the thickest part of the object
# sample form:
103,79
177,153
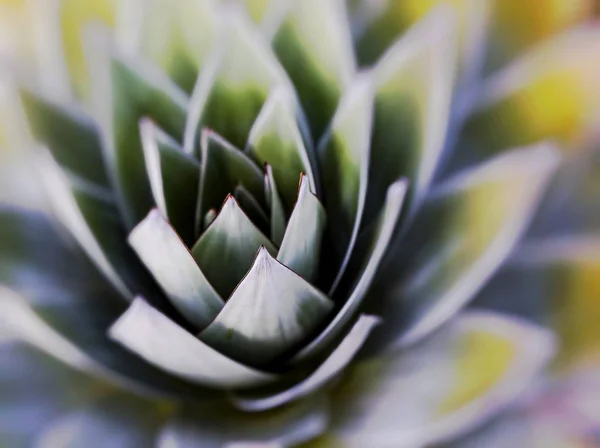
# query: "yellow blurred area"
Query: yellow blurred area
483,360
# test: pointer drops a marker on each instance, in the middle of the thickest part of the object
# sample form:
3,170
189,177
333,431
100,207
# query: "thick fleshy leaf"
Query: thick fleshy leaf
226,249
443,388
337,361
344,155
413,83
555,281
278,220
315,47
174,179
215,426
124,91
301,246
234,83
176,36
466,229
116,420
271,311
553,92
61,304
276,139
172,265
153,336
379,240
252,208
224,167
70,134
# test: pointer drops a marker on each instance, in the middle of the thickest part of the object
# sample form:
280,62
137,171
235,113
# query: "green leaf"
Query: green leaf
335,363
315,46
413,81
219,425
464,232
301,246
379,240
224,167
174,178
271,311
276,139
453,382
126,90
234,84
344,155
172,265
157,339
226,249
278,221
69,134
251,207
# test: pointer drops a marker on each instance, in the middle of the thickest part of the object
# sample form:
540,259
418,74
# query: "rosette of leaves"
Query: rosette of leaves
258,236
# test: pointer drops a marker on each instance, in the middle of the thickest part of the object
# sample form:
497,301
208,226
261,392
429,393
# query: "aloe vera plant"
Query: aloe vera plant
263,223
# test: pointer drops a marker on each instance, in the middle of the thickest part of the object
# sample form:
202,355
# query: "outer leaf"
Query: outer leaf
344,155
270,312
413,82
150,334
234,84
455,381
216,426
223,168
301,246
124,91
276,139
379,242
172,265
174,178
226,249
466,238
69,134
278,221
315,47
337,361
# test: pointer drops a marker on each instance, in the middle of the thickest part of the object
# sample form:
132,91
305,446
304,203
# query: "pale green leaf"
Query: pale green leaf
174,179
172,265
157,339
252,208
278,221
301,246
271,311
226,249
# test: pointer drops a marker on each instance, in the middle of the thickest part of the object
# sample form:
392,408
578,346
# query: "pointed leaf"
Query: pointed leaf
234,84
337,361
276,139
124,91
379,241
218,425
170,262
174,179
270,312
278,221
70,135
315,47
344,155
414,82
224,167
465,230
150,334
226,249
301,246
455,381
251,207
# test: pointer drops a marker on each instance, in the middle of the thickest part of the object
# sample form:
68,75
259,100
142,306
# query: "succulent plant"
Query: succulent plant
266,233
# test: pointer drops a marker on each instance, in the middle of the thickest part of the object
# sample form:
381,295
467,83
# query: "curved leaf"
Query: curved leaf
226,249
270,312
150,334
172,265
252,208
301,246
278,220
